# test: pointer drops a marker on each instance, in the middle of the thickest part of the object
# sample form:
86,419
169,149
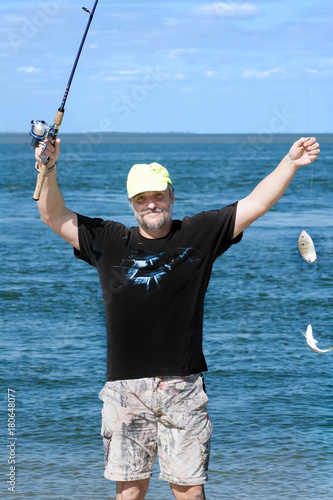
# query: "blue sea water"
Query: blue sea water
271,398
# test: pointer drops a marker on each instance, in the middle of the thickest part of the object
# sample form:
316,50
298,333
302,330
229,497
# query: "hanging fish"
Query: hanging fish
306,247
312,343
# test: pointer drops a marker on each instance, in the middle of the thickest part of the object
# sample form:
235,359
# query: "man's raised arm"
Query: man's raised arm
51,203
269,190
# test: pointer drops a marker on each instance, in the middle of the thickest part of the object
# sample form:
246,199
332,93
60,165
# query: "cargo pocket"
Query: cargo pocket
106,433
204,440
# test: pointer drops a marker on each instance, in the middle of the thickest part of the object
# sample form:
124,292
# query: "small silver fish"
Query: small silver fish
312,343
306,247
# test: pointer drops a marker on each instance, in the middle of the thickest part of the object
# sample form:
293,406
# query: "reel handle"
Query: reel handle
53,135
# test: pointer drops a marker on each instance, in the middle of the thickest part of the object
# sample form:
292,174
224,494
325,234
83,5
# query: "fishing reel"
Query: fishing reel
39,131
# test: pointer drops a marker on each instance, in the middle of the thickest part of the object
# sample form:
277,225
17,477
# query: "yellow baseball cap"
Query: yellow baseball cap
143,177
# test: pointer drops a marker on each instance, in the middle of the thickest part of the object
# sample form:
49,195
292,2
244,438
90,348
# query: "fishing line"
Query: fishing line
306,81
306,71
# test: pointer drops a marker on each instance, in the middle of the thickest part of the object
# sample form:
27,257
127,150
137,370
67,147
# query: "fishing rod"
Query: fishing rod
40,130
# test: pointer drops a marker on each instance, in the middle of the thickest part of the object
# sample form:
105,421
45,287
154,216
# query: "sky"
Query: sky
260,66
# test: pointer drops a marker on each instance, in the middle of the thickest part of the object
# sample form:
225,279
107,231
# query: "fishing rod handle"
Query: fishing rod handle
44,168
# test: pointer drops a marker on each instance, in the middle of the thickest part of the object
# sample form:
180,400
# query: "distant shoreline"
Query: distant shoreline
164,138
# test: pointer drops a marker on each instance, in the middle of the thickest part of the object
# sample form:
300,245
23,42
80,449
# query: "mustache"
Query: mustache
152,211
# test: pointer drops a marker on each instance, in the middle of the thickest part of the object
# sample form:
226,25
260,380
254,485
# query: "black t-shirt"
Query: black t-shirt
154,289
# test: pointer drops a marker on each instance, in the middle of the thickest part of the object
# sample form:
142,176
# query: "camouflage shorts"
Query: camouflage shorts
167,415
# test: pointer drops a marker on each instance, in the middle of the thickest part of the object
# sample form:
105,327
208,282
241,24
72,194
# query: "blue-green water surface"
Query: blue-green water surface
271,398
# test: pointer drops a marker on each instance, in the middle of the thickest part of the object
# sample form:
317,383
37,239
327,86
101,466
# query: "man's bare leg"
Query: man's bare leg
132,490
188,492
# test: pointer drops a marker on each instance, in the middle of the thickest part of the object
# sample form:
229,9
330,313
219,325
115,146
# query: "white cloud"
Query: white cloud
173,54
128,78
9,20
186,89
129,71
210,73
126,74
29,69
171,21
179,76
252,73
228,10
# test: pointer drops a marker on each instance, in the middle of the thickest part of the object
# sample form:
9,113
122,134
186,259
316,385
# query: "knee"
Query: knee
188,492
135,490
130,494
196,493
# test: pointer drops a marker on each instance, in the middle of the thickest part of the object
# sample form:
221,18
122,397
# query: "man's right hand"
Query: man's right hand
51,203
52,151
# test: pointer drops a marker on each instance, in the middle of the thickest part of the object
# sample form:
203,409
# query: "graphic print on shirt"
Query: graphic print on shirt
150,270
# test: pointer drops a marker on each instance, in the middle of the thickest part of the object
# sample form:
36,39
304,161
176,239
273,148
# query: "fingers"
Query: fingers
304,151
306,141
313,151
301,142
51,151
310,145
312,148
313,156
57,146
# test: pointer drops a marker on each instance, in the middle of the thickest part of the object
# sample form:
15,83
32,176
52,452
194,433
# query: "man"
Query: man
154,278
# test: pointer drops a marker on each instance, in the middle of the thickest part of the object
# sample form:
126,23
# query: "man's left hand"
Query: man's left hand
304,151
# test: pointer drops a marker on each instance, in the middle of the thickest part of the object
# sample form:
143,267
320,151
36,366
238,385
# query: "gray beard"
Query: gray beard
146,225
